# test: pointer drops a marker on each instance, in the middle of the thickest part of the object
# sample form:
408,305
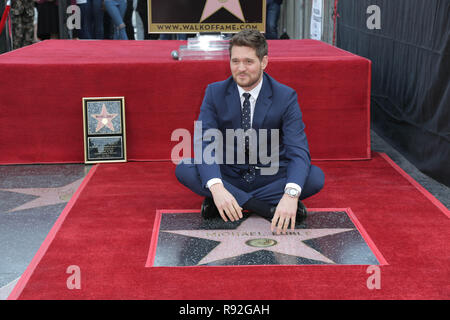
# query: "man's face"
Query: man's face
246,67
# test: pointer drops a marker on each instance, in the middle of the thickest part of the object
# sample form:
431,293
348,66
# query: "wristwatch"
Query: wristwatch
292,192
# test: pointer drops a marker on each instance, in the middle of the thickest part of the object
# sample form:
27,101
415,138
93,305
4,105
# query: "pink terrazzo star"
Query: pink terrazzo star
254,234
212,6
104,119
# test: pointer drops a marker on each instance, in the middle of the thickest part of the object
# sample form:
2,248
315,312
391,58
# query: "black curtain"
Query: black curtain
410,54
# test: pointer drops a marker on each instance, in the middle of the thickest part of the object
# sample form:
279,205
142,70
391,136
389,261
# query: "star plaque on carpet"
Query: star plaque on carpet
326,237
104,129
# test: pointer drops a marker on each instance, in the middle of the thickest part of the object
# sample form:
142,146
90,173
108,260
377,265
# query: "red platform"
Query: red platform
43,85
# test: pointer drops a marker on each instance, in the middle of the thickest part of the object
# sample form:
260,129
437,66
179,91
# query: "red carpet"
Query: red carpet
106,231
40,98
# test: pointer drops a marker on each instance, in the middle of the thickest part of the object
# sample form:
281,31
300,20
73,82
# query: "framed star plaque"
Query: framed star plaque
104,130
206,16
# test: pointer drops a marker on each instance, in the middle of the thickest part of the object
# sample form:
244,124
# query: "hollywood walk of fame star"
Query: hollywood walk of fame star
212,6
254,235
46,196
104,119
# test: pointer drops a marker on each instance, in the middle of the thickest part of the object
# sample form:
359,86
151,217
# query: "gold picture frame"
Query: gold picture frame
186,17
104,130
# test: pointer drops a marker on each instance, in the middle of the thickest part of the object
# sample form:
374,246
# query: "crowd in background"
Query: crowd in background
36,20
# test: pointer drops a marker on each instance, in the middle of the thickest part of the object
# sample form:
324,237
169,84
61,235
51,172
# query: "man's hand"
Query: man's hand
285,212
225,203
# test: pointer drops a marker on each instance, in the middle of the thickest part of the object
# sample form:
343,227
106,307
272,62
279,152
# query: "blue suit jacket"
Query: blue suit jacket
276,108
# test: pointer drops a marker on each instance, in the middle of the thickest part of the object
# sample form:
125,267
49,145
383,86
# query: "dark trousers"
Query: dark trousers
272,16
269,191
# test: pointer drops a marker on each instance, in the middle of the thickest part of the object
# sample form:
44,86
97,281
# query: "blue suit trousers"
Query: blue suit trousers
187,173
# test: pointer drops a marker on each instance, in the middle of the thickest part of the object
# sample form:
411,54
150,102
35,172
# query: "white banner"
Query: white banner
316,19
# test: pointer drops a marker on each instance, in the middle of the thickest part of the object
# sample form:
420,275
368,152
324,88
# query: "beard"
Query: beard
249,81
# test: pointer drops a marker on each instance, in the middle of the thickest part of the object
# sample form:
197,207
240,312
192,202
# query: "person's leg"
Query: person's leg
17,31
84,32
108,27
116,10
264,199
314,183
28,29
141,8
273,192
270,193
128,20
187,173
272,16
54,20
43,21
96,12
260,200
122,27
35,26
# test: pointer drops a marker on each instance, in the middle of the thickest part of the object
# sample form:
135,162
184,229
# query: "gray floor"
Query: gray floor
33,196
31,199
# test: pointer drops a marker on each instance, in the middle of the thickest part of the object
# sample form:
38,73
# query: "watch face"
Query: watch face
292,192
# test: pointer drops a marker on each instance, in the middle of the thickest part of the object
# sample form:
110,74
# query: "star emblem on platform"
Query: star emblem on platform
46,196
104,119
254,234
212,6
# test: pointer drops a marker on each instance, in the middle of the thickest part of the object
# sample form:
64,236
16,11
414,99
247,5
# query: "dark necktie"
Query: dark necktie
249,176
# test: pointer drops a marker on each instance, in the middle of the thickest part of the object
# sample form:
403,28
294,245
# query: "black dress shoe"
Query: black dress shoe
209,209
301,212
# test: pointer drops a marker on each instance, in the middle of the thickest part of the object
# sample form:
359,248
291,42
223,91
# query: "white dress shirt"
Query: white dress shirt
254,96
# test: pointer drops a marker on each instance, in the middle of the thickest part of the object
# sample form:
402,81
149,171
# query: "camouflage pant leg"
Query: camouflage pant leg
22,31
22,22
28,23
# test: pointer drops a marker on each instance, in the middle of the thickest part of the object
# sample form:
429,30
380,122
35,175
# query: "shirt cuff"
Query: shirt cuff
294,186
212,182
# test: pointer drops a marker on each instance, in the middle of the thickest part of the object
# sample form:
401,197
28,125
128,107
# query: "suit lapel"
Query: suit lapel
263,103
234,104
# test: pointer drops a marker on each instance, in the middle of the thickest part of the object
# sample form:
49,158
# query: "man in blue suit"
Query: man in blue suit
240,179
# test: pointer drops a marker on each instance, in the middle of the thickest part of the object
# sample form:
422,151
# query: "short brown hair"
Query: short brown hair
250,38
